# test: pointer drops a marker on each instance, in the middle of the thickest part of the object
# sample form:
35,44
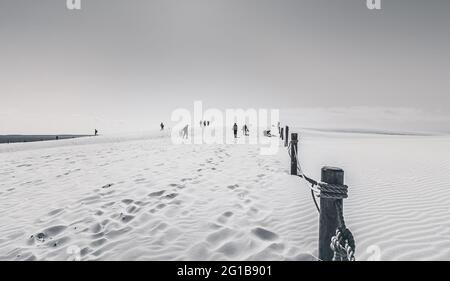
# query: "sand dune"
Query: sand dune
143,198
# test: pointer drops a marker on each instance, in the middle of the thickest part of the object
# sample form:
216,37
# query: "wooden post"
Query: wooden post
328,221
294,153
286,141
282,134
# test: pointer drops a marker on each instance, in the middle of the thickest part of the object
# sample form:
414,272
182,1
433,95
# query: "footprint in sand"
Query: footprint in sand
233,187
161,206
126,218
49,233
127,201
59,242
157,193
157,208
264,234
224,217
179,186
108,185
171,195
133,209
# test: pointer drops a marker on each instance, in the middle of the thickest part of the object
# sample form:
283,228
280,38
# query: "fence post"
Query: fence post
282,134
286,141
294,153
328,221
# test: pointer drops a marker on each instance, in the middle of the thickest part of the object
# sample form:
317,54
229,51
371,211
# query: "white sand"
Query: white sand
219,202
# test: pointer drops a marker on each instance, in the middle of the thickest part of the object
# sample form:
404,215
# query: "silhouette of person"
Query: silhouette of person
162,126
245,129
235,129
207,123
96,132
185,131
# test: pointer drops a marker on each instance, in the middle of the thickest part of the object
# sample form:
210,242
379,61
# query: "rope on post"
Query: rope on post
286,139
342,243
294,159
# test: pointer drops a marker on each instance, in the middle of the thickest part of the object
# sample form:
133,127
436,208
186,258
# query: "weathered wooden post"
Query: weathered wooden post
282,134
328,221
286,141
294,153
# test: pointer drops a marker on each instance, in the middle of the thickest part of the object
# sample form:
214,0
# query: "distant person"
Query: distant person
279,128
96,132
184,132
235,129
201,123
267,133
245,130
162,126
204,123
207,123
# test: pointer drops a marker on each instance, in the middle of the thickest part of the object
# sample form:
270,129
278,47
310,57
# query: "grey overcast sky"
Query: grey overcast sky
128,63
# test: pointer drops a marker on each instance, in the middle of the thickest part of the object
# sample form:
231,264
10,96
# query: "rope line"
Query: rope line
342,243
309,182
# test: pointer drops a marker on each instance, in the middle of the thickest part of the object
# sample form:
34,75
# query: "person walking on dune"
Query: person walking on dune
162,126
185,132
235,129
245,130
95,132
